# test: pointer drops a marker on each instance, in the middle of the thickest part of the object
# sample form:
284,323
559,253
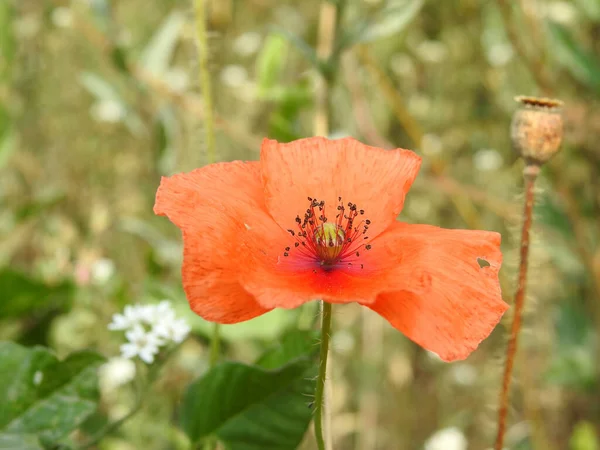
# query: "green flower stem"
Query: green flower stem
209,128
320,389
205,81
215,345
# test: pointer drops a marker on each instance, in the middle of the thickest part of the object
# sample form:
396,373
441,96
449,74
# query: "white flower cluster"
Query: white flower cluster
148,328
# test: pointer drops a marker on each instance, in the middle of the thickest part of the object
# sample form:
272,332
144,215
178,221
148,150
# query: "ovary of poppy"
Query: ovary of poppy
316,219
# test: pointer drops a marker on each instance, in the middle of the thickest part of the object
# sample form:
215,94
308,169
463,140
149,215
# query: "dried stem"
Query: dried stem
534,64
529,174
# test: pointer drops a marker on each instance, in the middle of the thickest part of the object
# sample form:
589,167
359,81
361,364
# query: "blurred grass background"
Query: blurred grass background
99,98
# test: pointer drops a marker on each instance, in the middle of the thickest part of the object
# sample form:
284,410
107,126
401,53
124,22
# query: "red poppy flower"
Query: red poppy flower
316,219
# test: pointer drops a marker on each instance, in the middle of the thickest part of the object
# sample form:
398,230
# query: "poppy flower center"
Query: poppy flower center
331,243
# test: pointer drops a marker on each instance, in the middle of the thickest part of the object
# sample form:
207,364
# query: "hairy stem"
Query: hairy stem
320,389
325,46
205,81
529,174
209,128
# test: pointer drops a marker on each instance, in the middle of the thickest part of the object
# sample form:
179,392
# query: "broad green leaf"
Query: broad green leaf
390,21
581,63
250,408
19,442
44,396
271,62
293,345
159,51
22,294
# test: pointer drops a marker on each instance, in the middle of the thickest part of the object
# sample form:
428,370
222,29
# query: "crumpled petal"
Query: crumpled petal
217,207
434,289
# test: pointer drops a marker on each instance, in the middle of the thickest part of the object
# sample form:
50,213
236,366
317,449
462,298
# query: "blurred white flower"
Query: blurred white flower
110,111
148,328
175,330
463,374
131,316
62,17
499,54
432,51
487,160
141,343
447,439
561,12
177,79
247,44
234,75
116,372
102,271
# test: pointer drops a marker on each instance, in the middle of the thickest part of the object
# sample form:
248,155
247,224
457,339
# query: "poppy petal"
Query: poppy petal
373,179
441,286
234,267
214,206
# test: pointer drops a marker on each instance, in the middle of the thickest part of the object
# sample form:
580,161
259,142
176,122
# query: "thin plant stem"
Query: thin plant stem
325,45
209,128
320,389
215,345
534,64
205,81
141,388
114,425
529,174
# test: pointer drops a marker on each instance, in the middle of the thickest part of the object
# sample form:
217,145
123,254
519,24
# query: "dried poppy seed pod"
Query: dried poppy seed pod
537,129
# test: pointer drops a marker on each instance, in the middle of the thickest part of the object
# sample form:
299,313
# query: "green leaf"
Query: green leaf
388,22
19,442
569,53
159,51
44,396
295,344
306,50
584,437
22,294
270,62
250,408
